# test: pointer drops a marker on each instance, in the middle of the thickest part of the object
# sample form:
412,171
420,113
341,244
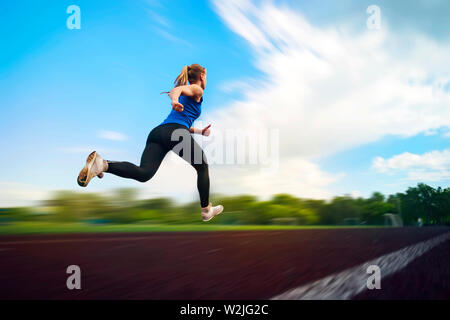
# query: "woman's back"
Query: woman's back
192,110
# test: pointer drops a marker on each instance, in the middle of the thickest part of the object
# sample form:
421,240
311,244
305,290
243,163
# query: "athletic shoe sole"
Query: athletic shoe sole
86,175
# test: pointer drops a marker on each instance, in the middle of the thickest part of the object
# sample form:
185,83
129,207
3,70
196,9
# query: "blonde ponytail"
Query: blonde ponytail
188,73
182,78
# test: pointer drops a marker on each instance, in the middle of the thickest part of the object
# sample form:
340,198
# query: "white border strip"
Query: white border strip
348,283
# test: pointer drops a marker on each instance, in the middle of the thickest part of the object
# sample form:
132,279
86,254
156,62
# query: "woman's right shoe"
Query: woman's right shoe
210,212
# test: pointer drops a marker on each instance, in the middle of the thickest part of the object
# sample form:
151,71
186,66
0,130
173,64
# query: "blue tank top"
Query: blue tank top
192,110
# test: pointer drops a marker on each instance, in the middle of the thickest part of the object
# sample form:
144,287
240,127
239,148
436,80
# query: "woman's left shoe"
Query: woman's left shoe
95,166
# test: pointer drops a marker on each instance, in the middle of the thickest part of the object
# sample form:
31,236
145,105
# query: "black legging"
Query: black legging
162,139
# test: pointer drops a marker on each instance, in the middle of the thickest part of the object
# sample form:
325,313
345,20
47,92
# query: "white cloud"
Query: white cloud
330,90
169,36
159,19
342,90
295,176
112,135
18,194
163,27
236,86
430,166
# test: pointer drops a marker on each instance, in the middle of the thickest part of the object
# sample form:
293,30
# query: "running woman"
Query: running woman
186,108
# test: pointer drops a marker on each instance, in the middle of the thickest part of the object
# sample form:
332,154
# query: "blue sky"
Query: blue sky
62,91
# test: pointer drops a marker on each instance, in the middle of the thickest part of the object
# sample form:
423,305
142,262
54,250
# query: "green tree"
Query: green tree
374,208
340,208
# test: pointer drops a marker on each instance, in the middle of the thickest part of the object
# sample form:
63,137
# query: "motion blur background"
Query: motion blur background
363,114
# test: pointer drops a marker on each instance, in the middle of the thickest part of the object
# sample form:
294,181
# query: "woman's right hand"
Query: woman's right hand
177,106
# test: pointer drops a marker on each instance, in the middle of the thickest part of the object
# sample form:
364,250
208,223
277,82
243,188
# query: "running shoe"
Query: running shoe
210,212
95,165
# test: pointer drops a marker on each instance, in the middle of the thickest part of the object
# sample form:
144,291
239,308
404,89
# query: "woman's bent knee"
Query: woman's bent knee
145,176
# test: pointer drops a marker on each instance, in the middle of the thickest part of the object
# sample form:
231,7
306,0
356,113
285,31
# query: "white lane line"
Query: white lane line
348,283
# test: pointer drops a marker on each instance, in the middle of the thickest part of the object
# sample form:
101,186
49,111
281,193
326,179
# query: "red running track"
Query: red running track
214,265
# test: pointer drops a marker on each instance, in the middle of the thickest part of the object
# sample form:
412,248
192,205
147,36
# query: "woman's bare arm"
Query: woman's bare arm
192,90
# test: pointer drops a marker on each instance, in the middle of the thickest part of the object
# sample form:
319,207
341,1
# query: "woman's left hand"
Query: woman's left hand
206,131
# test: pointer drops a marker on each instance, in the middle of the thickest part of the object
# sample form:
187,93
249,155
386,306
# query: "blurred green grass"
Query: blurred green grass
54,228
